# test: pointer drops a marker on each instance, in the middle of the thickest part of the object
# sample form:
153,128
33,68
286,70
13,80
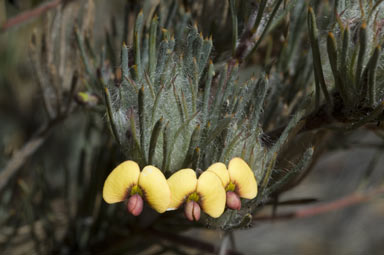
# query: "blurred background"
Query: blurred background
54,159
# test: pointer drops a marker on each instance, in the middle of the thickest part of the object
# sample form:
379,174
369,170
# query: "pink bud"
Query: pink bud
192,211
233,201
135,205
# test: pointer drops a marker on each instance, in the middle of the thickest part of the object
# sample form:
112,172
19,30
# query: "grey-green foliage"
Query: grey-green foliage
172,107
200,118
292,76
348,77
360,40
175,109
354,52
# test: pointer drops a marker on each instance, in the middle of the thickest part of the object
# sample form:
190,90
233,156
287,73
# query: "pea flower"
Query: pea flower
126,182
238,181
206,193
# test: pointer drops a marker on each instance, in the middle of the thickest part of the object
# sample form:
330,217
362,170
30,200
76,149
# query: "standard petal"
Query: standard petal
212,194
242,175
221,171
120,180
155,188
182,183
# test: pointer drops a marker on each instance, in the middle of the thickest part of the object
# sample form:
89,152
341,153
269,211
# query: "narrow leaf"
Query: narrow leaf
152,47
232,4
154,138
137,45
360,59
313,35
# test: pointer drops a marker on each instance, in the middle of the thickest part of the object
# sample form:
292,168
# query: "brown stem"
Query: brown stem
20,157
27,15
349,200
190,242
245,42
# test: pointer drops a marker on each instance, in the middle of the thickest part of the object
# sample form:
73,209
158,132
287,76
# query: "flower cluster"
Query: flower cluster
215,188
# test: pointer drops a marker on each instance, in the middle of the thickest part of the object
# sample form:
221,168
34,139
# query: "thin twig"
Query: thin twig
20,157
27,15
349,200
189,242
224,244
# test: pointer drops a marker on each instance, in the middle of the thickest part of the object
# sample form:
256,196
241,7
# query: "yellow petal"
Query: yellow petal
242,175
212,194
221,171
182,183
120,180
155,188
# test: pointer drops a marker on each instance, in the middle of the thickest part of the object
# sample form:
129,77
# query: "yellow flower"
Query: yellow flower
205,192
238,181
126,182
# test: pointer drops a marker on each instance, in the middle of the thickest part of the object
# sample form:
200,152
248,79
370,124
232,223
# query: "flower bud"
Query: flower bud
135,205
192,211
233,201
